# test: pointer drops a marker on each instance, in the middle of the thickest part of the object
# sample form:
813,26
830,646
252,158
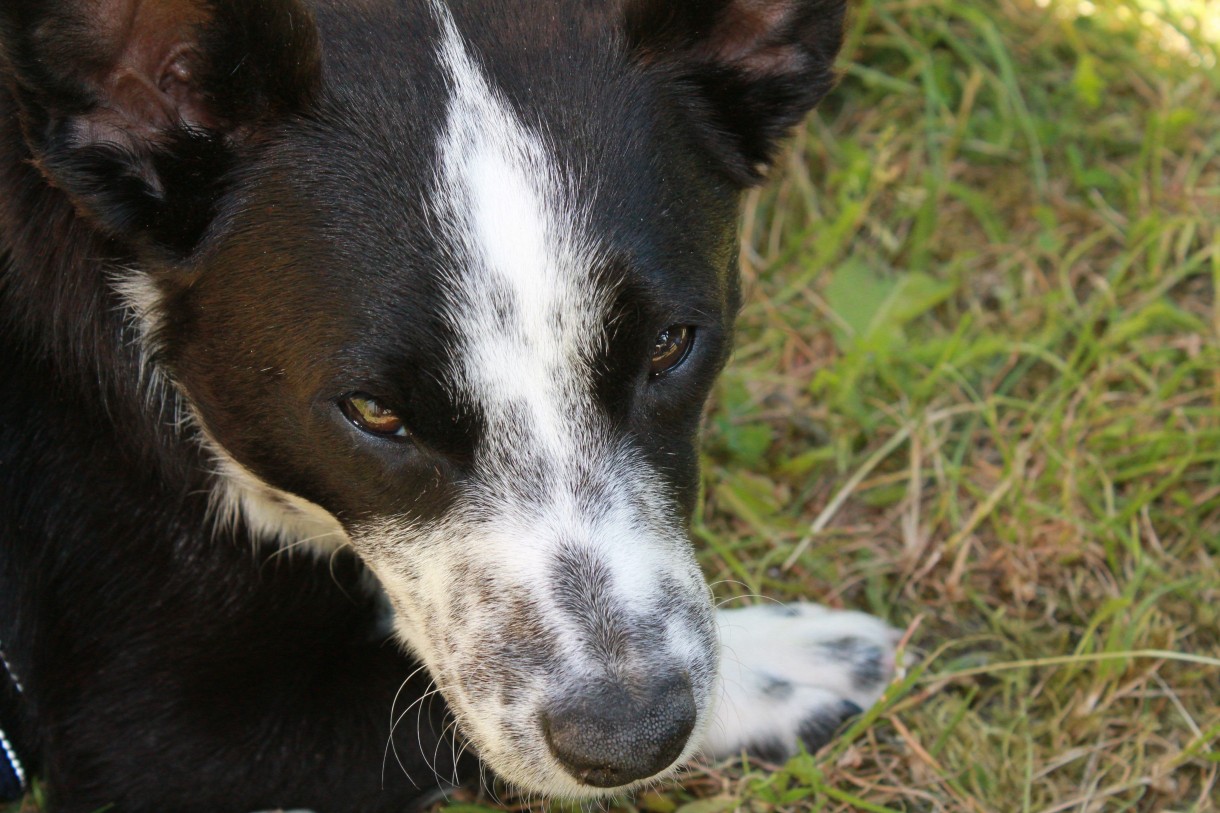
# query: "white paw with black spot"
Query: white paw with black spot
794,673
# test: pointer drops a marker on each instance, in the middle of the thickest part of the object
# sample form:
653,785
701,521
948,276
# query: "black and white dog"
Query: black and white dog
323,323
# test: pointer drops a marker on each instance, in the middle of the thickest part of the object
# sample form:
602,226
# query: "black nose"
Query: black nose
607,735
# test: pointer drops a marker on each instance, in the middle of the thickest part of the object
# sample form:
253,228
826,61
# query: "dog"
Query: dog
353,356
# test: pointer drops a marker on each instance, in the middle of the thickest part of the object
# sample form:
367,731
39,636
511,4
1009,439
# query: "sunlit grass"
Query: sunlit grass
983,332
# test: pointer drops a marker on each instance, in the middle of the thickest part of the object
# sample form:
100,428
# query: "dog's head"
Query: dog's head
449,282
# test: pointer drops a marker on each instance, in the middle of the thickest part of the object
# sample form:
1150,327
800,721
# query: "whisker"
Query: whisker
419,734
451,726
755,596
390,744
284,548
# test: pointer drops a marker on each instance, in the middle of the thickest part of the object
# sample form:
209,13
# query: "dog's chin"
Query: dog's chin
553,783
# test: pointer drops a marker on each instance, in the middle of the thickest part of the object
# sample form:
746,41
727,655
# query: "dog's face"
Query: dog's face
451,283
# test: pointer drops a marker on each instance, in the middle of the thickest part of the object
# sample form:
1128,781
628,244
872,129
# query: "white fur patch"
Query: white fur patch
270,513
142,303
788,670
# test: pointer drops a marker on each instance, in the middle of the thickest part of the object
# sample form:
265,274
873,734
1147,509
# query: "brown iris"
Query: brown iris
671,348
364,411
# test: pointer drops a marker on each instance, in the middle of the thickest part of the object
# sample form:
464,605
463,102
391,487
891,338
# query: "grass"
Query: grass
977,392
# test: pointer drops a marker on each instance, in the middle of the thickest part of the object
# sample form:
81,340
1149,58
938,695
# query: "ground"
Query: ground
977,392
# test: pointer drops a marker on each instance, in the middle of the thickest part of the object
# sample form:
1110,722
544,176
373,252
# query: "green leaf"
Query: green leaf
747,443
1157,318
916,294
750,492
875,308
806,461
857,294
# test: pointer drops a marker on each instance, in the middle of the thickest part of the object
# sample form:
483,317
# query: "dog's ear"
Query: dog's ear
136,108
746,70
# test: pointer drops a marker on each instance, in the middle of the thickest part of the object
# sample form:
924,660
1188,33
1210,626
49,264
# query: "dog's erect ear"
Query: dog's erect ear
135,107
746,70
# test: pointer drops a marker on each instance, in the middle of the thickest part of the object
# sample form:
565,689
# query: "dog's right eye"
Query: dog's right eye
670,349
369,415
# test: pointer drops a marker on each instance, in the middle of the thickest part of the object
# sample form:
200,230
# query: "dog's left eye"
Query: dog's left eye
671,348
367,414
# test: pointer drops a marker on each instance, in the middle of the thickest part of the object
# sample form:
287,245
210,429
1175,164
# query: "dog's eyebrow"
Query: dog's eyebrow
661,309
686,313
649,284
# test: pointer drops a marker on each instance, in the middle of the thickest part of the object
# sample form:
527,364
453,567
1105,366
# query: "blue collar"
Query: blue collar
12,773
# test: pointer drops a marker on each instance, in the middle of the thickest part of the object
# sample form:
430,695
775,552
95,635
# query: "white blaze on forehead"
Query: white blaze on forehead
525,307
529,314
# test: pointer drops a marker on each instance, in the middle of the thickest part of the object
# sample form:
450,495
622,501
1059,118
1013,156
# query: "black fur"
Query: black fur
745,72
273,196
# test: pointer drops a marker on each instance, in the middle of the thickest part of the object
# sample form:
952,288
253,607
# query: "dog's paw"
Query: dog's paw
792,673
